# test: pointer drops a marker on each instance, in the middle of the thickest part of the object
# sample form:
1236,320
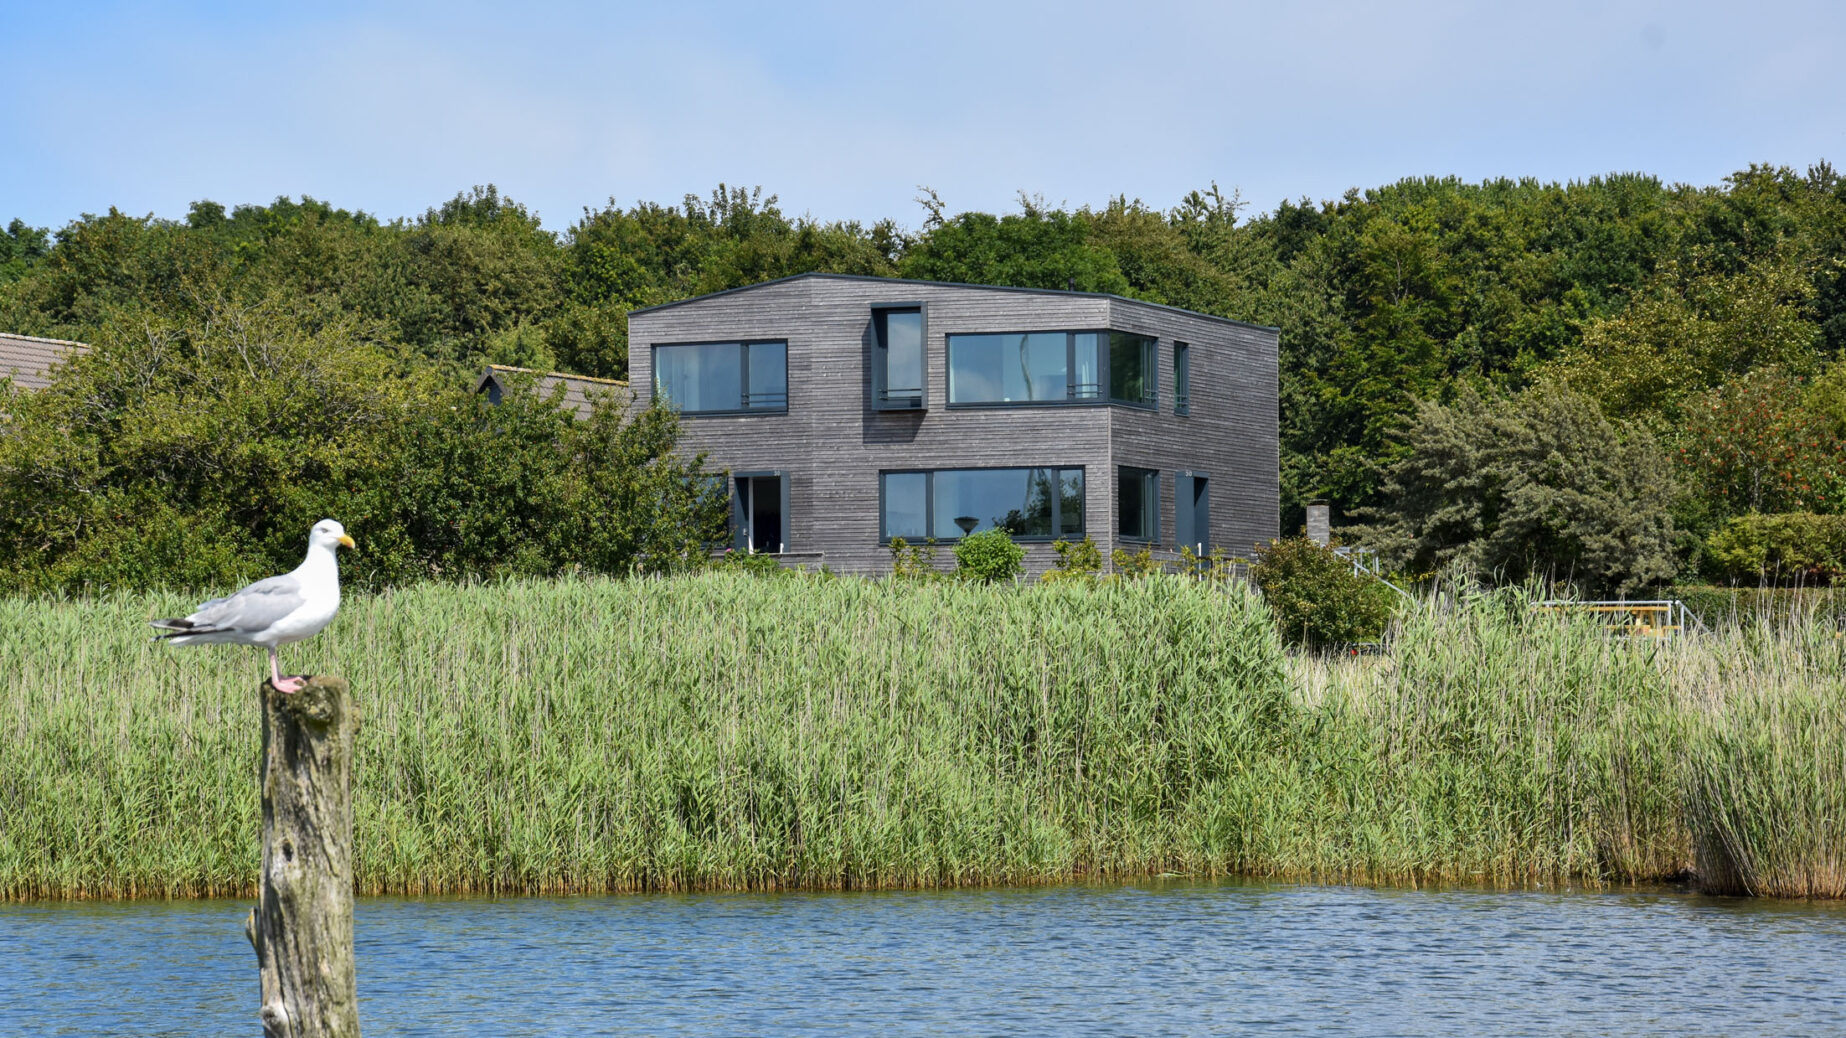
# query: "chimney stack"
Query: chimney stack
1320,522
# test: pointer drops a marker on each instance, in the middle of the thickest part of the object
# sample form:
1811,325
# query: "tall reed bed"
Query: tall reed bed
727,732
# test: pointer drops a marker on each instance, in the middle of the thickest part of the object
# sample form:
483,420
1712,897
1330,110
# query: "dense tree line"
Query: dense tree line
1618,341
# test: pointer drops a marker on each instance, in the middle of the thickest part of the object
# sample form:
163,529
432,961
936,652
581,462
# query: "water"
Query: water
1157,959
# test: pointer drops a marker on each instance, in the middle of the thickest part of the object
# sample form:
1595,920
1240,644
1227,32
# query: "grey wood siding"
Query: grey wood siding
833,444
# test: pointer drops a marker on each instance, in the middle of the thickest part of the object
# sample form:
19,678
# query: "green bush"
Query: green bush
1079,561
1718,606
1798,548
989,556
1317,599
914,561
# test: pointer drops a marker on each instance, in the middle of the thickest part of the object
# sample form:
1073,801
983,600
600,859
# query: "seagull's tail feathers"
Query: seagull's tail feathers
181,628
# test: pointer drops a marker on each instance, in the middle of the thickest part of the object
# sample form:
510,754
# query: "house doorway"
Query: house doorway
759,512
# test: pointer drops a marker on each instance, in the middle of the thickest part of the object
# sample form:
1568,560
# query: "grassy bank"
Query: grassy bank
725,732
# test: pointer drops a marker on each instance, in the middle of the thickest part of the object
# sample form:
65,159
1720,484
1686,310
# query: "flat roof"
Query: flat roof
956,284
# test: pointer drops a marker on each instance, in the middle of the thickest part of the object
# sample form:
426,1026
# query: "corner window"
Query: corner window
1137,504
1131,369
1182,378
948,504
1051,368
897,359
723,377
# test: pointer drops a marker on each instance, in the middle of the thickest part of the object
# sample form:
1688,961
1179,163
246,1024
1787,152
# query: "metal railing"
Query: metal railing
1645,618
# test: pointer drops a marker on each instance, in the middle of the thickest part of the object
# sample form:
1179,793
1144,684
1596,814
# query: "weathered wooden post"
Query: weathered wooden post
302,928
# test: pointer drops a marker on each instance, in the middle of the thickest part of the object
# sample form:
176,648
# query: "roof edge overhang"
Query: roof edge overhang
953,284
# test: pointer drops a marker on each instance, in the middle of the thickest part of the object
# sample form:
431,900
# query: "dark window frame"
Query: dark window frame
740,525
1150,503
1192,502
929,501
1182,378
743,378
881,371
1104,395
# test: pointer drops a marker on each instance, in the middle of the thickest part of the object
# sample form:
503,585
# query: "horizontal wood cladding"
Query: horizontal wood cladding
833,444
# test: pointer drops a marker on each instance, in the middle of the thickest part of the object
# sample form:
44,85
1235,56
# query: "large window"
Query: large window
897,363
722,377
1051,368
1137,504
946,504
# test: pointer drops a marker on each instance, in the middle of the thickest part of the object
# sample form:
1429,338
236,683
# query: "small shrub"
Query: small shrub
757,564
1790,548
914,561
1133,565
1079,561
989,556
1317,599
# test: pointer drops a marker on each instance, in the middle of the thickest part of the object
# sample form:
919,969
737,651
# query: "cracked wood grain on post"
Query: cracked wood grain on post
302,928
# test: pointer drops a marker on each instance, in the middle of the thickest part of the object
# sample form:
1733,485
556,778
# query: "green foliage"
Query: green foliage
1539,485
757,734
1317,599
1133,565
1079,561
756,564
914,561
1798,548
1752,445
20,248
1752,606
1654,300
989,556
196,450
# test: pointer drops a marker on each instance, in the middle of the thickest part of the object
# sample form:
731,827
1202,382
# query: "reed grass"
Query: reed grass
725,732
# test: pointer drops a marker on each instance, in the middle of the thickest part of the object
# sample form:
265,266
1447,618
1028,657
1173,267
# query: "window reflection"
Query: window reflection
1050,368
898,371
723,376
1038,503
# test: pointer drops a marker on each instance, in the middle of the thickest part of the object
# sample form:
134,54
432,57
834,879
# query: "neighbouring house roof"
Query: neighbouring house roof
950,284
29,359
578,389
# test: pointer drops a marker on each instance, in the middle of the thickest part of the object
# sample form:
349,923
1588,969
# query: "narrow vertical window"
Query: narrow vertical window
1192,512
1137,504
897,362
1182,378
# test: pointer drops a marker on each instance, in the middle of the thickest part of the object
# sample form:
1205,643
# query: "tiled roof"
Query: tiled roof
28,358
578,389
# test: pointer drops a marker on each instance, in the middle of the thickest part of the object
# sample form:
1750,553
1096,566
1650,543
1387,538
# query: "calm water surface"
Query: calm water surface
1162,959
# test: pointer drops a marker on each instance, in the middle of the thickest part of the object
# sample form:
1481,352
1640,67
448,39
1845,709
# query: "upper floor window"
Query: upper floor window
946,504
720,377
897,360
1051,368
1182,378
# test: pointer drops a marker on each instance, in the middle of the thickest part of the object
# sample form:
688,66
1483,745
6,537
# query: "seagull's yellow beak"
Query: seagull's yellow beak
348,541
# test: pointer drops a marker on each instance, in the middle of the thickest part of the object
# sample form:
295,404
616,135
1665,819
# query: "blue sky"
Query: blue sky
843,110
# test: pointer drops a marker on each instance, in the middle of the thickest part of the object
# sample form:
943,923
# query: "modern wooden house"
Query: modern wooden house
852,410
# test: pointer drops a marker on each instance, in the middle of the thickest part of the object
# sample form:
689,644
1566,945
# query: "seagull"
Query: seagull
273,612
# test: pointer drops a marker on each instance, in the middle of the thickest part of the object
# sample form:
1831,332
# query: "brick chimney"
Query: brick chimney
1320,522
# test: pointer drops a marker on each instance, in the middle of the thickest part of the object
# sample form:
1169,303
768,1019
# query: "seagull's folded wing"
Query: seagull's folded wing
256,608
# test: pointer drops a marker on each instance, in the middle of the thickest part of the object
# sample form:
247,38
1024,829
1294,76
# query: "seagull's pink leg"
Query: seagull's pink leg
275,676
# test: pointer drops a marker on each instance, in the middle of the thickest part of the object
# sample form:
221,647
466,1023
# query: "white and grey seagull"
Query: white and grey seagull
273,612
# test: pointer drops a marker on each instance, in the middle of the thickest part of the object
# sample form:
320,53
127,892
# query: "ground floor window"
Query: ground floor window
1137,503
759,512
947,504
